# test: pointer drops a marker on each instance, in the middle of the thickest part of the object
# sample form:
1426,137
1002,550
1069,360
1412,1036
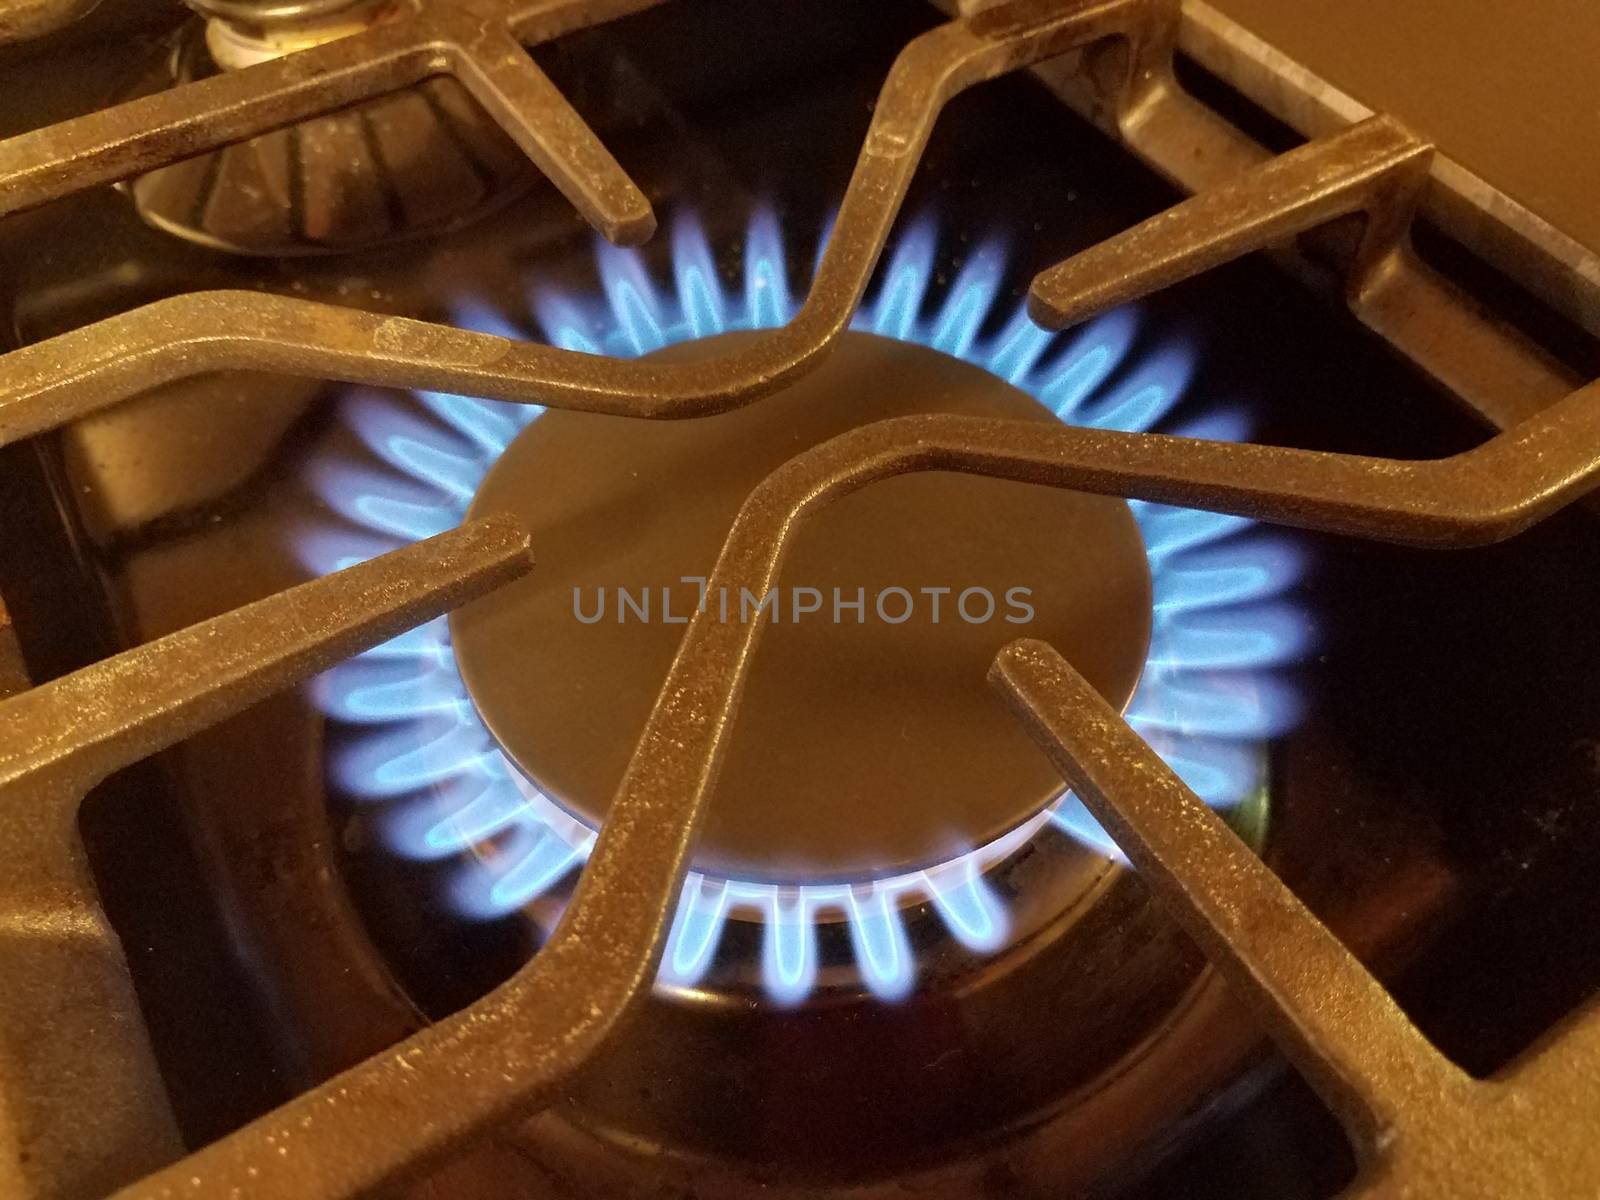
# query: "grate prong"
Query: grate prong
88,369
508,1054
71,1038
531,109
405,1110
1423,1129
441,37
1334,1020
1375,168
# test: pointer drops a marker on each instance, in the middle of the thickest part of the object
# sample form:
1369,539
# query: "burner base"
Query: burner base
416,163
1102,1040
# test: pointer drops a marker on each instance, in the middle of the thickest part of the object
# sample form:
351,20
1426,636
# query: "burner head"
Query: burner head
868,743
241,33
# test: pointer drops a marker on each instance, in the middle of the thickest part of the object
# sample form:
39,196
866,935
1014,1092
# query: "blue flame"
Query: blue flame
417,751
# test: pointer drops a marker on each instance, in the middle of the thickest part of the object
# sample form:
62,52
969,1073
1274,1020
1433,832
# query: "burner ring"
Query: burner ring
792,1005
414,742
868,744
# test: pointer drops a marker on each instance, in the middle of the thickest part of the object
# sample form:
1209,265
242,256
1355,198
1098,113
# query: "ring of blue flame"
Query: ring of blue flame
1209,698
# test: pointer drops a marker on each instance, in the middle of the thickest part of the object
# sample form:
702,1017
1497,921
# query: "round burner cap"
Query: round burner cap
868,743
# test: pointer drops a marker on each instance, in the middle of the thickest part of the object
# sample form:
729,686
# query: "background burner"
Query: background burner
413,163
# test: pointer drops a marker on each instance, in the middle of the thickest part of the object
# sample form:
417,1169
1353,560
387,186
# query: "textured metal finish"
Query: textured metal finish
71,1038
1421,1127
1505,88
1494,370
88,369
507,1054
475,42
423,160
402,1111
21,20
1477,497
1374,168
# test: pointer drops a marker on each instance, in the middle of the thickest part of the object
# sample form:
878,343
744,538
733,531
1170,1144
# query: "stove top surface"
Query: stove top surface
903,954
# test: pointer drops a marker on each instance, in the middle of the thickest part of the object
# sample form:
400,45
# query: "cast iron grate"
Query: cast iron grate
1420,1125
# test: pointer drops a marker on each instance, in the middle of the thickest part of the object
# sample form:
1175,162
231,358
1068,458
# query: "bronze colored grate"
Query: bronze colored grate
84,1112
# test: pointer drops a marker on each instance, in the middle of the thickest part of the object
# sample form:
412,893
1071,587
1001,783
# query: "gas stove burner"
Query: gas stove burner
241,33
869,757
416,162
870,775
